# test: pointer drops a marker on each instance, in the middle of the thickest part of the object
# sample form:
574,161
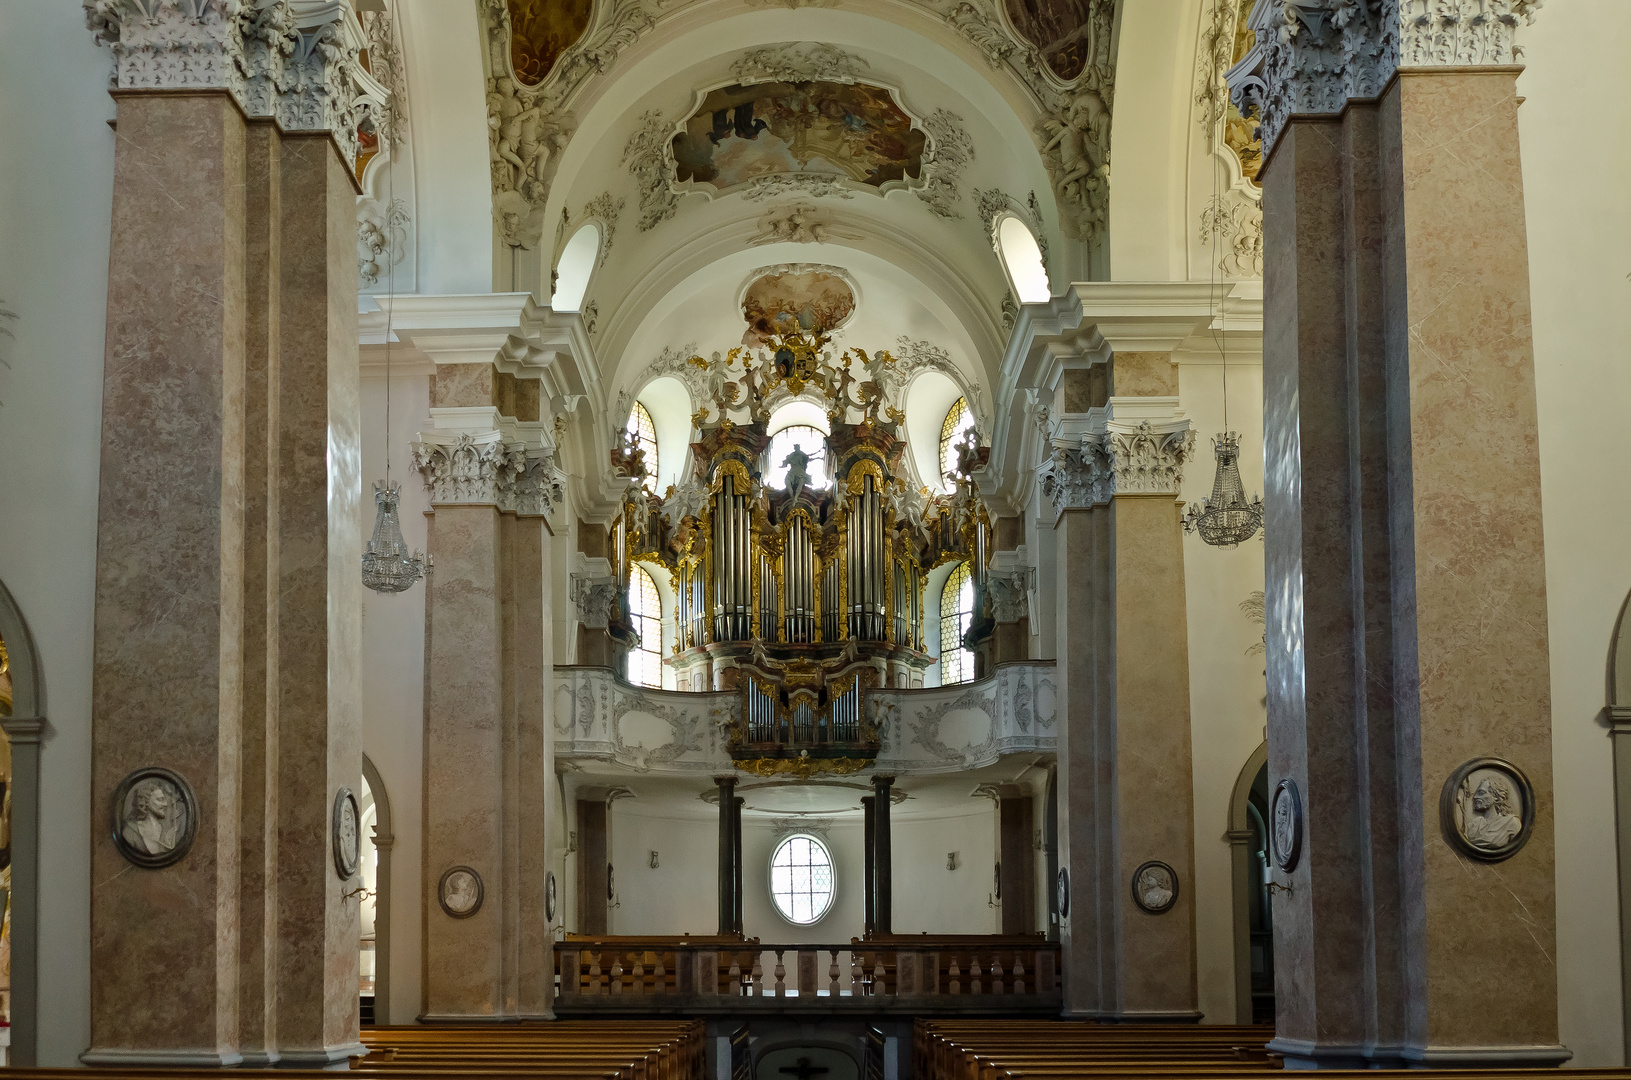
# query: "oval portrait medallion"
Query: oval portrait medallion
1061,888
1487,809
1155,887
347,834
460,891
1286,812
154,817
549,896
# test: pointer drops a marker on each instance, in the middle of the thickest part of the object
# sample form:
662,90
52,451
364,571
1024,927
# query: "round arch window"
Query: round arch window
801,879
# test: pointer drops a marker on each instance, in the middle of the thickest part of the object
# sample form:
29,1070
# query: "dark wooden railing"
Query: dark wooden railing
1004,975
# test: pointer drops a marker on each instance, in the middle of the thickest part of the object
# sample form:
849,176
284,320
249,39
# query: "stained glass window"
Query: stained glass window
640,425
956,608
646,609
959,418
801,879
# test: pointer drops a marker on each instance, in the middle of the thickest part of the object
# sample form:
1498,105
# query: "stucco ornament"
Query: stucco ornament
1312,56
1148,459
951,151
1078,477
1233,223
482,469
798,61
382,237
648,157
594,597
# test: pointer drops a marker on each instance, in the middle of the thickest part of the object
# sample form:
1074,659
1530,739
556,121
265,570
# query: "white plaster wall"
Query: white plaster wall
393,647
1576,156
679,897
928,898
1149,130
1226,686
56,190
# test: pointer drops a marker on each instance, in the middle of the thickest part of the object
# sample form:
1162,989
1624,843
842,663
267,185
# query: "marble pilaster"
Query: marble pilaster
167,652
319,600
1124,779
488,761
1406,596
258,791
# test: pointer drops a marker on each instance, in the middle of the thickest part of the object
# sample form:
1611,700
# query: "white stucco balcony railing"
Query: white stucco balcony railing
599,717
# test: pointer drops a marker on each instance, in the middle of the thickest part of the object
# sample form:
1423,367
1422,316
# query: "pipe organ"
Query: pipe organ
802,597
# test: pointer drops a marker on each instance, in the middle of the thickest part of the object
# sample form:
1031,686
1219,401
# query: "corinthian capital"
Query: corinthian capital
1312,56
296,60
472,470
171,44
594,596
1148,460
1078,477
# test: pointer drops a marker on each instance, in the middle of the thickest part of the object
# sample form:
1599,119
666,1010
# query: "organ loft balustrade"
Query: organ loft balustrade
801,596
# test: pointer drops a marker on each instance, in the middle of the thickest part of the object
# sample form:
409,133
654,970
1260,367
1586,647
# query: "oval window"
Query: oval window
801,879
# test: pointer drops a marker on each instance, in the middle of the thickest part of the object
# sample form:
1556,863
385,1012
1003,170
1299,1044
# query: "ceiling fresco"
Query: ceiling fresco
540,31
1063,30
792,300
850,130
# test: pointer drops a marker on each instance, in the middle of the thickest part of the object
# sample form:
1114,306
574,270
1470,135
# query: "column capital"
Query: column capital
1313,56
594,595
480,468
298,61
1147,458
1010,592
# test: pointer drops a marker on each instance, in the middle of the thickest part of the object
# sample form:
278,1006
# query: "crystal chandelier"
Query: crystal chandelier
386,565
1227,517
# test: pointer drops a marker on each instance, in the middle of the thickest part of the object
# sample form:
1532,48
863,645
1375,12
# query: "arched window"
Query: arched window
576,264
640,425
809,440
959,418
646,612
956,610
1022,258
801,879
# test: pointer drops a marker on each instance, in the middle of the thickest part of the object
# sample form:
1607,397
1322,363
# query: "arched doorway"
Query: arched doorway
1253,914
375,947
22,718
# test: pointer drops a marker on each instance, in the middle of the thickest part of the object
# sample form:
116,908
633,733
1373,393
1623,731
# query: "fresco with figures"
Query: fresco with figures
540,31
797,302
1064,31
844,130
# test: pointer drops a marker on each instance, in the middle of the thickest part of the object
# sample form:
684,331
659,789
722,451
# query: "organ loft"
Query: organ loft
744,539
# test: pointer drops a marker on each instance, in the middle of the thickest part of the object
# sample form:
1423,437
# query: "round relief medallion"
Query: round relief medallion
1155,887
1286,812
154,817
549,896
1487,809
460,891
347,834
1061,887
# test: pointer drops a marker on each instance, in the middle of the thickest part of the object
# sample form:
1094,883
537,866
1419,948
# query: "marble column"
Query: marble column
594,883
869,882
1125,778
727,854
1017,859
167,661
319,601
488,771
883,876
1405,566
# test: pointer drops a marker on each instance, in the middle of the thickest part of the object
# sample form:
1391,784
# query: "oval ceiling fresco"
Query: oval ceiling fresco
797,300
849,130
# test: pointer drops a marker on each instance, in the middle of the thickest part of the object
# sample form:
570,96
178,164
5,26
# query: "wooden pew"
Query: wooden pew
641,1050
